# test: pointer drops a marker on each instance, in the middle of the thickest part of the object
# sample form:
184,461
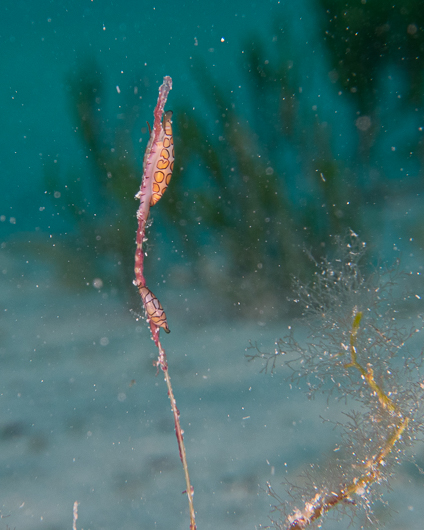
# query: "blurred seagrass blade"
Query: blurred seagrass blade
260,171
98,205
241,188
371,46
364,38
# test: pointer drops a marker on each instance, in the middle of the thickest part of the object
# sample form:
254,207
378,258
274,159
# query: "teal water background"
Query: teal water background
43,43
73,426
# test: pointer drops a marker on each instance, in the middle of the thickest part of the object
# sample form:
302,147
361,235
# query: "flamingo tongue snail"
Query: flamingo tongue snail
165,162
153,307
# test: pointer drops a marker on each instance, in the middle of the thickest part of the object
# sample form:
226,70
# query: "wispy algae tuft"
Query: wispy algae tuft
358,349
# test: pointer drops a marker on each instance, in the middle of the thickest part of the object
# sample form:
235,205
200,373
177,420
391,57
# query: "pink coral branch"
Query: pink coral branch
151,304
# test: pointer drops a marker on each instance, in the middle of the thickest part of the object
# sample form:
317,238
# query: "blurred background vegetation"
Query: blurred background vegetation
259,180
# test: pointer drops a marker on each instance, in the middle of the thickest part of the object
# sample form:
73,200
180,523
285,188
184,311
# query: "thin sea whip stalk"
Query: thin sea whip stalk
158,144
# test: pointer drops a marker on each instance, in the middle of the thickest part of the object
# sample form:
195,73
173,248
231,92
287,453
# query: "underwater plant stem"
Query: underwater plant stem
162,362
323,502
368,373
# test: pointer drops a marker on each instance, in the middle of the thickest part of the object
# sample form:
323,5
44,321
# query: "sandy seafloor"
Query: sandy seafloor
75,427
